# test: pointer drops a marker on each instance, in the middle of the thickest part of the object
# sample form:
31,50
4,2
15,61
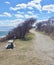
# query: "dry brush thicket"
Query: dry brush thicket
46,26
20,31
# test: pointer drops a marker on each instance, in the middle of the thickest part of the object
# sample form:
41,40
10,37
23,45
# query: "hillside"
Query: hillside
36,51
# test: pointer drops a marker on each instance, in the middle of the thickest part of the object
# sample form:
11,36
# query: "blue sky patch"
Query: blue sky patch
19,10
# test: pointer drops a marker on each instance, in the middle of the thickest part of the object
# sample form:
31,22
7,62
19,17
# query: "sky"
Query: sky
13,12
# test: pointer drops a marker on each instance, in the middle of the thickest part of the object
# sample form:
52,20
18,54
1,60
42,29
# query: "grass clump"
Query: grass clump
28,37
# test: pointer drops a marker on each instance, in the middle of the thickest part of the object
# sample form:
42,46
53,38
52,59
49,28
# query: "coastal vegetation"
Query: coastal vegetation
46,27
20,31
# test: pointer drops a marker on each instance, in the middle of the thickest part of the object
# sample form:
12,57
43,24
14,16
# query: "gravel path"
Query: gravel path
43,47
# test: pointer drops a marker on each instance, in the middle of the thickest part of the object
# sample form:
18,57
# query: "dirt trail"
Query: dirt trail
43,48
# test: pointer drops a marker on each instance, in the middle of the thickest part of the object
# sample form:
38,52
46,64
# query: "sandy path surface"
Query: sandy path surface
43,48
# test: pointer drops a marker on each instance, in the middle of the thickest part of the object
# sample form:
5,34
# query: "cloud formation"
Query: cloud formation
30,5
5,14
12,23
7,2
22,11
49,8
19,16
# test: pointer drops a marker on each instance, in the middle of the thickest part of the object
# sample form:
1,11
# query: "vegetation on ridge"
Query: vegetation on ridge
21,30
46,26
